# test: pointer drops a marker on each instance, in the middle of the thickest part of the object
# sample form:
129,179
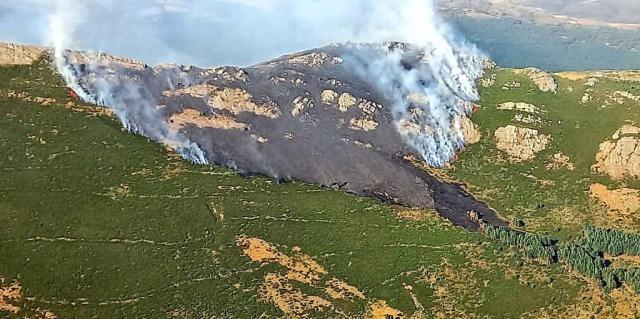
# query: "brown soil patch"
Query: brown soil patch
414,215
626,129
75,107
624,200
44,101
120,192
527,119
15,54
592,303
258,250
627,302
451,286
9,294
90,110
560,160
291,301
624,260
302,267
380,310
631,76
339,289
520,143
233,100
195,117
279,288
488,81
620,158
573,76
620,97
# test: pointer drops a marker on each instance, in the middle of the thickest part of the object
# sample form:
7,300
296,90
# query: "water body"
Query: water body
515,43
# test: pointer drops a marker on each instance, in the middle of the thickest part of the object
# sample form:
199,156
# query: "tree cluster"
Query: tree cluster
630,276
585,255
534,246
610,241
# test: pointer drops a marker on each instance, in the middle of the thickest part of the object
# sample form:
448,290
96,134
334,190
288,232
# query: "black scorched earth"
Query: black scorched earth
306,116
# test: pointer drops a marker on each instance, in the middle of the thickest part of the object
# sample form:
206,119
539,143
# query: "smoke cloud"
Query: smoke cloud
244,32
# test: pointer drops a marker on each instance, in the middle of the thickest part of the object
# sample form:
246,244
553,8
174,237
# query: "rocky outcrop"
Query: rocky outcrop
470,130
233,100
195,117
543,80
560,160
300,104
328,96
311,59
620,157
520,143
519,106
527,119
226,74
365,124
103,59
345,101
15,54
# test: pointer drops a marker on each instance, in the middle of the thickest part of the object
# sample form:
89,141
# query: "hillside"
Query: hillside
100,222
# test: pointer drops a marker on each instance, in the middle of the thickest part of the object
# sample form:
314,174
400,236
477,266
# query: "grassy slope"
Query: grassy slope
517,190
70,175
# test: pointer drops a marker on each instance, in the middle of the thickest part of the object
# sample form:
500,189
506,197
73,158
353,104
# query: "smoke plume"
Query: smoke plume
430,95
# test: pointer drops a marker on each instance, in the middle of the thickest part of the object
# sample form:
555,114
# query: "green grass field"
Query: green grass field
99,223
554,201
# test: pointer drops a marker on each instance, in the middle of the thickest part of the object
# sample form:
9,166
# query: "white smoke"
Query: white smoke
431,88
132,103
243,32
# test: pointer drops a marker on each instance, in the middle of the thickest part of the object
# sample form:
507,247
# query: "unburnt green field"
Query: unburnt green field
549,200
100,223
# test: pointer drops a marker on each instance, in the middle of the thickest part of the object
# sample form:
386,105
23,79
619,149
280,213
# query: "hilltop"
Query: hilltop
101,222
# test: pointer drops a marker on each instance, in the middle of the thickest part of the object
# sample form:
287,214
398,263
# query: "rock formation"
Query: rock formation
543,80
620,157
14,54
520,143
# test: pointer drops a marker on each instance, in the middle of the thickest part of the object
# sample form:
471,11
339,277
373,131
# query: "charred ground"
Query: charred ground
309,116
